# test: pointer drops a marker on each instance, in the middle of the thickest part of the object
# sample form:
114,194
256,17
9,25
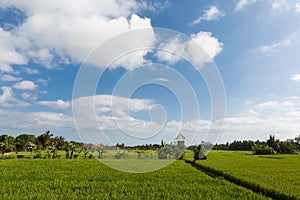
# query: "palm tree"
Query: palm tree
45,139
58,142
274,143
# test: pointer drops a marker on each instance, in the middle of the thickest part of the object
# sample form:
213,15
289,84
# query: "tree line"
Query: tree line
50,145
271,146
45,141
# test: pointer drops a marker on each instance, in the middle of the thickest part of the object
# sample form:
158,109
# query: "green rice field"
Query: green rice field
90,179
277,173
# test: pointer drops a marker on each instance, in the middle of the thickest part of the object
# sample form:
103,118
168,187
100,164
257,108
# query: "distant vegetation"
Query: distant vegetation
48,146
45,143
271,146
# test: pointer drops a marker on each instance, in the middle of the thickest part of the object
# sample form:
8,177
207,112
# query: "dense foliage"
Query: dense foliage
170,151
28,142
271,146
47,146
274,146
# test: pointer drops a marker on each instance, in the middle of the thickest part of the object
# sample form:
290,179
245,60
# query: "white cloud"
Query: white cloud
293,97
157,6
241,4
42,81
113,8
6,68
288,103
29,96
135,58
25,85
280,5
36,122
30,71
7,98
43,57
273,48
130,52
297,7
59,104
295,77
176,47
114,113
293,114
285,5
70,30
120,106
279,116
8,53
7,95
267,105
213,13
171,50
274,105
252,112
210,44
276,5
278,107
7,77
282,119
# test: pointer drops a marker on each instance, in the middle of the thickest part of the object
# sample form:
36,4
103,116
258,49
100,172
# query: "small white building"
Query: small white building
180,140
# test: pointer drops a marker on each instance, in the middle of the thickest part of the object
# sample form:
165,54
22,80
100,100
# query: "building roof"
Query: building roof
180,137
31,144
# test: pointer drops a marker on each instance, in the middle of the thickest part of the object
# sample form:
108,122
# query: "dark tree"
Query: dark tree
22,141
45,139
274,143
58,142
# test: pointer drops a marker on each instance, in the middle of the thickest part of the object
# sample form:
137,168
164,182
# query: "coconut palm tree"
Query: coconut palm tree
45,139
274,143
58,142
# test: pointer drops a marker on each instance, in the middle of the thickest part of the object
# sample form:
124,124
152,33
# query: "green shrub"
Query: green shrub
262,149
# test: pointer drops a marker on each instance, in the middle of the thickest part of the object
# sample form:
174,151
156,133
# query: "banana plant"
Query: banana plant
34,150
53,150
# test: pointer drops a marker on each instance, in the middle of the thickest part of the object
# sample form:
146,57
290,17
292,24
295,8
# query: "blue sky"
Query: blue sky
254,44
